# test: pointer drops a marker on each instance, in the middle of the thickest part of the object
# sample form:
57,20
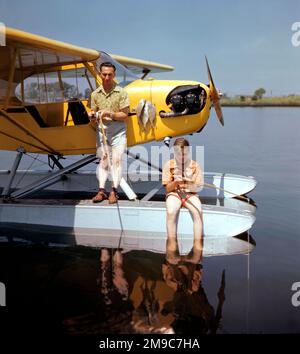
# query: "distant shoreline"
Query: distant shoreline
259,105
285,101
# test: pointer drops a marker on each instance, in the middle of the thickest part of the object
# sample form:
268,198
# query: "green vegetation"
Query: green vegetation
257,100
284,101
259,93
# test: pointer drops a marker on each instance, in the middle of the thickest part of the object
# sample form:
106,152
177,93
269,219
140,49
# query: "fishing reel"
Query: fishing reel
167,140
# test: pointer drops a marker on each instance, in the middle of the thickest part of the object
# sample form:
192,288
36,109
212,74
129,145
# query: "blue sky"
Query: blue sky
248,43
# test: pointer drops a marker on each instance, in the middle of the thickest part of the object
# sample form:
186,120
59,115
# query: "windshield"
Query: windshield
123,75
70,84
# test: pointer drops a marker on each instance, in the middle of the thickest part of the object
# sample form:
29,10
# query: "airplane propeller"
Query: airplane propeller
214,95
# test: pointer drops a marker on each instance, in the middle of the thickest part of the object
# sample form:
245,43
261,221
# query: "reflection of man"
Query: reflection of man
112,103
119,311
112,278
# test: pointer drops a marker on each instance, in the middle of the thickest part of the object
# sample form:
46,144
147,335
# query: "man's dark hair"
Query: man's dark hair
107,64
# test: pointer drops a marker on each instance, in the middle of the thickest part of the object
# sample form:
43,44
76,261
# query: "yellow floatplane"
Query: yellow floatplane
44,83
44,90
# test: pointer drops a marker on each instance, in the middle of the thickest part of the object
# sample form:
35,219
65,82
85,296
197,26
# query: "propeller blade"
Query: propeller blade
214,95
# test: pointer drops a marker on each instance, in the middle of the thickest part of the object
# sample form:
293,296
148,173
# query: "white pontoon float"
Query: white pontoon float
128,223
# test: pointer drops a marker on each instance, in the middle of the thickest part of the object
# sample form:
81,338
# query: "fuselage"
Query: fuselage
53,128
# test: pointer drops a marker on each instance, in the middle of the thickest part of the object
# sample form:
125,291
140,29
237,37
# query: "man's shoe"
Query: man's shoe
100,196
113,197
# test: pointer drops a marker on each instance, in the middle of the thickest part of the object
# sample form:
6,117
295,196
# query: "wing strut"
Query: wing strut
11,77
25,142
92,69
25,130
52,178
6,190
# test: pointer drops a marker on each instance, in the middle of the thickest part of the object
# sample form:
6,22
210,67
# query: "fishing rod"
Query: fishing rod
99,119
226,191
238,196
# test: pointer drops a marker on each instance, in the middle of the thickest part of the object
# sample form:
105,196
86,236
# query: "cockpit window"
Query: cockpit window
56,86
123,75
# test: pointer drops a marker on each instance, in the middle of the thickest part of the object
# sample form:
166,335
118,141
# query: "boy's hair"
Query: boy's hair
181,142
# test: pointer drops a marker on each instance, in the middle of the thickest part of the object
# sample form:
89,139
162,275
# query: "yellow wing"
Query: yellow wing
141,67
27,53
39,80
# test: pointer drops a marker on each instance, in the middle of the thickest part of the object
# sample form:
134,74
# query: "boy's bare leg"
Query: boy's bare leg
173,205
194,206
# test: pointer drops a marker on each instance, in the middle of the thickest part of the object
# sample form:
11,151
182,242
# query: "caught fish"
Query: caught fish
152,114
141,114
145,112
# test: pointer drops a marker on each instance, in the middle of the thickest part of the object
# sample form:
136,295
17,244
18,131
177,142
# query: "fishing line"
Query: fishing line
110,168
248,283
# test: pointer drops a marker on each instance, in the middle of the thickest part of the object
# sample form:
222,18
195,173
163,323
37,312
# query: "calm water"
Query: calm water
70,290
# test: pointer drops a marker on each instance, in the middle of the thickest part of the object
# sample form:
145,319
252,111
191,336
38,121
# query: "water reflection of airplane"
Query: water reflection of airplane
140,292
43,109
